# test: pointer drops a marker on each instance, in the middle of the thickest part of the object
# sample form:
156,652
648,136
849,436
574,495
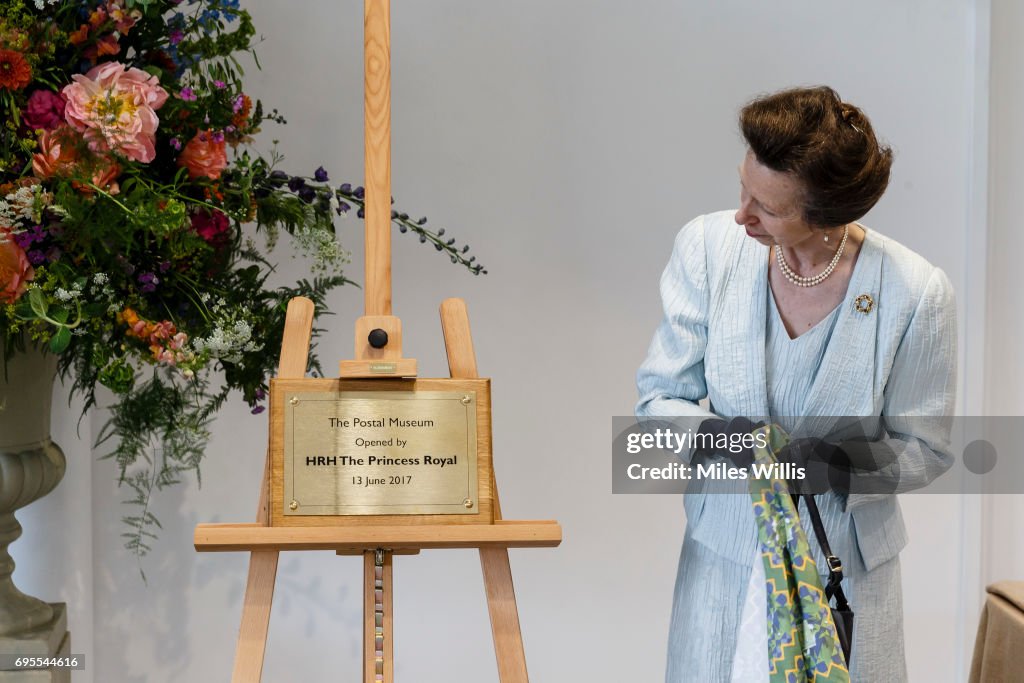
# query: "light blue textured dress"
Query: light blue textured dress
791,366
718,341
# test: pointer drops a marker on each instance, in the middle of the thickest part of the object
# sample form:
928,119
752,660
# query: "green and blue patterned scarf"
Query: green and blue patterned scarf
802,642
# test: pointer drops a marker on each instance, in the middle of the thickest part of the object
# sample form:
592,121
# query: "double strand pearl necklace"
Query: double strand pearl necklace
800,280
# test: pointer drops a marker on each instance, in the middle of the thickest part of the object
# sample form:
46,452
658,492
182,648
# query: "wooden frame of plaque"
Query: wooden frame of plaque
337,449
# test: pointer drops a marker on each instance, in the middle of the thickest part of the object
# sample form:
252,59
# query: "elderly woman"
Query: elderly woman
790,310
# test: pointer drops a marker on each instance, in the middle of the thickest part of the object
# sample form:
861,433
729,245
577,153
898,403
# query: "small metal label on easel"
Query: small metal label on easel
380,452
383,368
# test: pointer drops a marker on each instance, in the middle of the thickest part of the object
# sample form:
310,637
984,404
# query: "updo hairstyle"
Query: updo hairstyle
828,144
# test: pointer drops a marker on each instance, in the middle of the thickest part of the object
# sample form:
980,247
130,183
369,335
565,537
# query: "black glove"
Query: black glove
725,439
826,465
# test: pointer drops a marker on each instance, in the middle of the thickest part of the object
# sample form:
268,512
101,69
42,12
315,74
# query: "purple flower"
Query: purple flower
187,94
165,266
220,85
218,136
296,183
359,192
239,102
345,188
258,409
176,36
149,281
320,175
36,257
343,207
307,194
260,394
176,144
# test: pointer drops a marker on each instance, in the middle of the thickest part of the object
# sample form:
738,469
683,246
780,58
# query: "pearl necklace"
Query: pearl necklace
800,280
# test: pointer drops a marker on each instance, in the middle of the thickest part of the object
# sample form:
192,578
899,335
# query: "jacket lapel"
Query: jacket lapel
839,389
736,362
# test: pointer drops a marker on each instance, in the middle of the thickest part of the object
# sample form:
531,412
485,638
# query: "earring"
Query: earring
826,237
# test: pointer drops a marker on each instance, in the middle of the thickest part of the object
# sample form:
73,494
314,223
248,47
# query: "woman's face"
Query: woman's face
771,205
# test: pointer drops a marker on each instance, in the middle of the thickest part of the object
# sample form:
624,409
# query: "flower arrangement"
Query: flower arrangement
126,186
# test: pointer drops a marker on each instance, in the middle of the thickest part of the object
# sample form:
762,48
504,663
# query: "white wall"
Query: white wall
567,142
1004,380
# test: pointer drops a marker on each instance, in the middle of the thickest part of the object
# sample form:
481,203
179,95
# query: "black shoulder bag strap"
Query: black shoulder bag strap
842,615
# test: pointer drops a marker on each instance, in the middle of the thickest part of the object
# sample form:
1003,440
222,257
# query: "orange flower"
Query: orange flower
204,156
241,117
78,37
15,73
15,270
107,45
57,156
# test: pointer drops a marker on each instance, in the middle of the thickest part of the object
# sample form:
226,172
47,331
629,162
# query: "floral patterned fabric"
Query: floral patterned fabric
802,643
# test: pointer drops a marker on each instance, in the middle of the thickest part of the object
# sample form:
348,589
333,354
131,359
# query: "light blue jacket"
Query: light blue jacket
896,361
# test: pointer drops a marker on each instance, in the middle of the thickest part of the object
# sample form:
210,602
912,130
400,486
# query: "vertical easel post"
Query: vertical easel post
377,130
378,621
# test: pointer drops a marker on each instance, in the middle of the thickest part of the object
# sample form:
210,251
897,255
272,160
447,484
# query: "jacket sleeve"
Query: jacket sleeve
918,403
671,379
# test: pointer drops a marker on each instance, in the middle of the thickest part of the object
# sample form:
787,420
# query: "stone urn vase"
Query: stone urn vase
31,466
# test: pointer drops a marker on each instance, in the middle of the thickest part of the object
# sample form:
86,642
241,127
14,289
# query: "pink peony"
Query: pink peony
44,111
204,156
116,109
15,270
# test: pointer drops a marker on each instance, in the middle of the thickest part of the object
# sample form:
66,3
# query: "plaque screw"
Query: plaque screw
468,503
294,401
294,505
466,400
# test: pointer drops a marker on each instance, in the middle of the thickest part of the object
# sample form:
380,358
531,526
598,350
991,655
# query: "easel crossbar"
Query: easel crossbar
252,537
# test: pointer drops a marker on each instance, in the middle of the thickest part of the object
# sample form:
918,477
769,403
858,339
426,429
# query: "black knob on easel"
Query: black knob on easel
378,338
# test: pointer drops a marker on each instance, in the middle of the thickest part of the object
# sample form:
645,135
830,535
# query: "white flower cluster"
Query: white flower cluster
19,204
100,290
230,339
66,295
41,4
322,246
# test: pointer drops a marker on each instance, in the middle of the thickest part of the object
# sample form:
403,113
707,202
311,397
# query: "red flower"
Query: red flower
211,226
15,72
45,110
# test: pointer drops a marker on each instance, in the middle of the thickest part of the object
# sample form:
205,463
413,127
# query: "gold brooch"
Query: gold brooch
864,303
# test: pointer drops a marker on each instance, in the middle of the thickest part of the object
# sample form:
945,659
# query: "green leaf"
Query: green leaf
37,300
60,341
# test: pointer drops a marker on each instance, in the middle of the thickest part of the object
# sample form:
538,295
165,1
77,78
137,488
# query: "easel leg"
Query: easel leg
378,641
252,636
501,603
501,596
259,588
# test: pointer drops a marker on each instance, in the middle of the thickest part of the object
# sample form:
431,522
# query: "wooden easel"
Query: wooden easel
378,543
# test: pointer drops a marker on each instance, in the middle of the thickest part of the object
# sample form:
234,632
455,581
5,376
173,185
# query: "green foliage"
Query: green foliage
122,218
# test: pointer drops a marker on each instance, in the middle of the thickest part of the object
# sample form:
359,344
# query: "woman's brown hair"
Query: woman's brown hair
828,144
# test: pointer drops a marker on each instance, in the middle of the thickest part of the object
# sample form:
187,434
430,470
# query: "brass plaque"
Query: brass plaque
380,453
